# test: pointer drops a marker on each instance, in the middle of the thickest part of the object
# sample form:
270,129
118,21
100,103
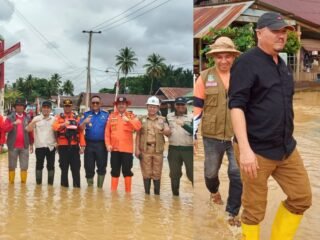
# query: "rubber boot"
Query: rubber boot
39,176
175,184
90,182
156,184
114,183
11,176
250,232
23,175
50,177
100,181
147,185
127,183
285,224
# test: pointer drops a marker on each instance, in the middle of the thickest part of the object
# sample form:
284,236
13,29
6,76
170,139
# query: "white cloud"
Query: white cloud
166,30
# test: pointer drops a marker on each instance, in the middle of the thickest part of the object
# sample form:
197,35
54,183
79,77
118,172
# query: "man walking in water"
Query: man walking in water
261,95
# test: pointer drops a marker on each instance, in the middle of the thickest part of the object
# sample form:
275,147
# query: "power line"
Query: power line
110,19
56,51
149,10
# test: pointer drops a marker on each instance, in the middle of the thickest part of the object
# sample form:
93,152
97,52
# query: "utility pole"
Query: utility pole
88,88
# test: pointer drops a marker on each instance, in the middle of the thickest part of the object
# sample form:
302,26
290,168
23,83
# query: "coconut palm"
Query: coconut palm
54,84
126,61
68,88
154,68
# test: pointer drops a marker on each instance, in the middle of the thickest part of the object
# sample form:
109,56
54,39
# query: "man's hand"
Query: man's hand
16,122
179,122
82,150
87,119
66,123
137,153
31,149
109,148
249,163
195,145
125,118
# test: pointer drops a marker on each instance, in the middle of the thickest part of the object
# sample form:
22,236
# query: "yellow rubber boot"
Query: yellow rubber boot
11,176
285,224
250,232
23,175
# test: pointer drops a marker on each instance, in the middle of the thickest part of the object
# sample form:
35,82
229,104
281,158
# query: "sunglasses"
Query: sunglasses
93,103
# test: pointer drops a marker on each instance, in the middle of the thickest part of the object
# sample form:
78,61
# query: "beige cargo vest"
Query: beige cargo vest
143,136
216,122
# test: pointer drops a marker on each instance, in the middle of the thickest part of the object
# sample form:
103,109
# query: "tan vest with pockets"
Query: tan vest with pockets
143,136
216,122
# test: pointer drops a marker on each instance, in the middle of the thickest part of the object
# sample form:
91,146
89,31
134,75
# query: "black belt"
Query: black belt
151,144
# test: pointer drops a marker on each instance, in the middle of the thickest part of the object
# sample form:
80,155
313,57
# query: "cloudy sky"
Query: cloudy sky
52,41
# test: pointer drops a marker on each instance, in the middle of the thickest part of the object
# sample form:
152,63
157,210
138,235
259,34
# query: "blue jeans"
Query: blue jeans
214,150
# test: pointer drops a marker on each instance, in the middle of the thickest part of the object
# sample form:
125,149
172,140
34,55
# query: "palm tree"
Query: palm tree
126,61
68,88
54,84
155,67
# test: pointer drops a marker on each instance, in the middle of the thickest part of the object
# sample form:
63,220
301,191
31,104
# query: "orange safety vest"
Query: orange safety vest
72,135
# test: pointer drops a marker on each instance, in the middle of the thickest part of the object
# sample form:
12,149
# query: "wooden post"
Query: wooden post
298,55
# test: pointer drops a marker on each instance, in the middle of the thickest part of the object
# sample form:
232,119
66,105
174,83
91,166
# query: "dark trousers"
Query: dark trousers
69,156
214,150
42,154
121,160
95,154
177,156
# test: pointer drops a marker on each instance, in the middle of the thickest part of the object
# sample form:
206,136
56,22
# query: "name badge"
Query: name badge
211,84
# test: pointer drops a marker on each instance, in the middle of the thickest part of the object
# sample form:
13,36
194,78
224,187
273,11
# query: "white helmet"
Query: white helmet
153,101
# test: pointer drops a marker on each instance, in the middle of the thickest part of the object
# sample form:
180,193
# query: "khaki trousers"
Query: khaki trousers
151,163
290,174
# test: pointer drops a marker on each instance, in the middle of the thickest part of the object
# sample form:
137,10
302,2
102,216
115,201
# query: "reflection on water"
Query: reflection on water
42,212
210,220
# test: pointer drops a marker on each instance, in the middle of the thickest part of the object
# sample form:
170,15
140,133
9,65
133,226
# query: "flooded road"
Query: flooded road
210,219
42,212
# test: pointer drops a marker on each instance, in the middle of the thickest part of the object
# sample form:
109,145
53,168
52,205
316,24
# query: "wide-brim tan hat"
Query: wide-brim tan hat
223,45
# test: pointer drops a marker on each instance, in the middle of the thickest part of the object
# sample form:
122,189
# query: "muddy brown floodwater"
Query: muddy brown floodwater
210,220
42,212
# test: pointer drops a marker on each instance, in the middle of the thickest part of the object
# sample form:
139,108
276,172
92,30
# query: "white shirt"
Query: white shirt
43,132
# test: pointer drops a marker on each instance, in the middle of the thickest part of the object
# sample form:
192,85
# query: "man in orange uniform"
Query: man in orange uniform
69,138
119,141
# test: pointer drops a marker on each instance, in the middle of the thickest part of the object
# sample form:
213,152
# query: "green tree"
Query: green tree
10,96
68,88
126,61
28,87
154,68
54,84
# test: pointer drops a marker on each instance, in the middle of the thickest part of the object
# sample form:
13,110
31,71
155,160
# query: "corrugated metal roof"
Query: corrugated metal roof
310,44
308,10
173,93
217,17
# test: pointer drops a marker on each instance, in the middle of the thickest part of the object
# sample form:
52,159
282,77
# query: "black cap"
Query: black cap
20,101
273,21
47,104
180,100
67,102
